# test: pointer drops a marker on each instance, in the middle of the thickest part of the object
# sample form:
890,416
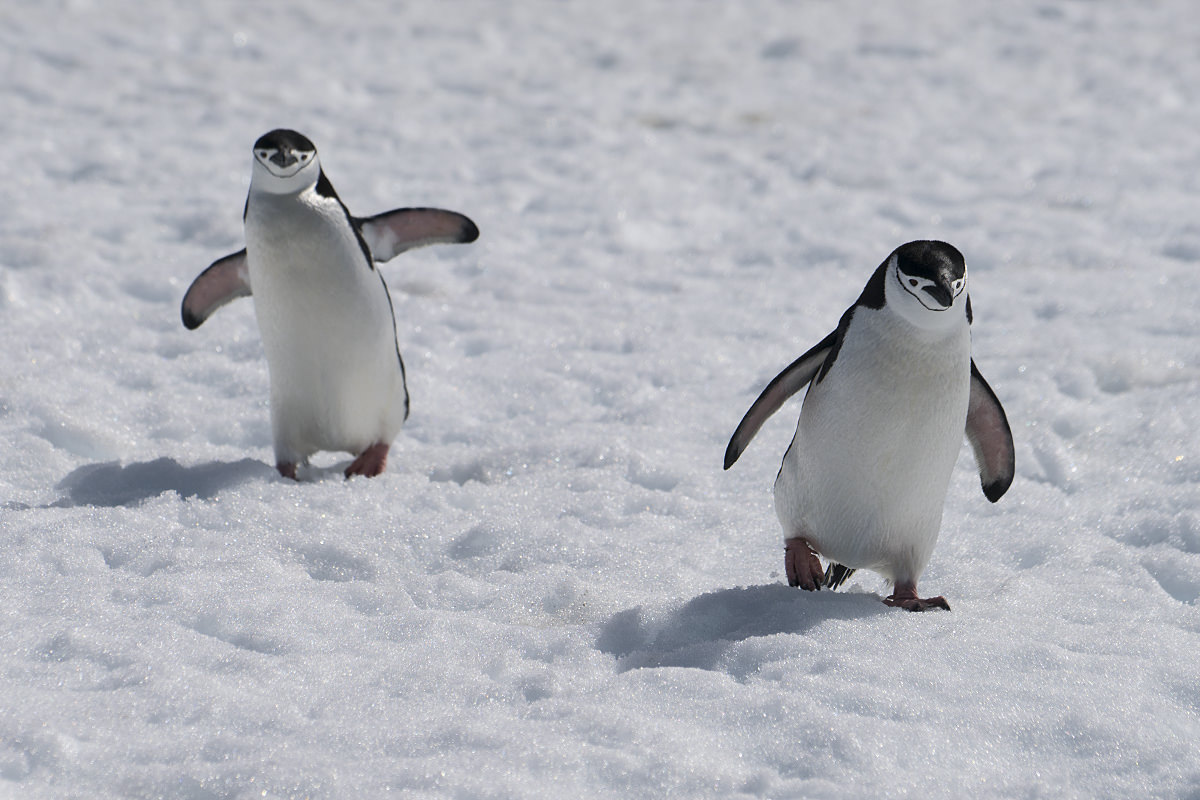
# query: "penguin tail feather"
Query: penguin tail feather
836,575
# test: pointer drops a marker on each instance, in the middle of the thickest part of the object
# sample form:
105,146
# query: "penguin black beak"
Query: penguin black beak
284,158
940,293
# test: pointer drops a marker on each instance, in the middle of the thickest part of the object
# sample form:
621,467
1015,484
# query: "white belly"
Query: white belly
865,478
327,330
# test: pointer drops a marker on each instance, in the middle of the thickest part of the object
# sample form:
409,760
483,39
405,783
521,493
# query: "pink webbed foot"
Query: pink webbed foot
286,469
802,565
371,462
905,596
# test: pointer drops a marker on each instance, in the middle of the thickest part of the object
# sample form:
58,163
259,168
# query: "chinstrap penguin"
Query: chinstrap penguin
324,313
893,388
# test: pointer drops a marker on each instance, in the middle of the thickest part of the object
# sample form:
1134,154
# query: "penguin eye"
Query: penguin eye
912,281
304,156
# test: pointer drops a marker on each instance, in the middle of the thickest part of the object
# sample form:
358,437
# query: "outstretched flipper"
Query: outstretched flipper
795,377
391,233
225,279
990,438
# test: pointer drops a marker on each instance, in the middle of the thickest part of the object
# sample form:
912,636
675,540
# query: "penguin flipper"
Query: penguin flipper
990,438
391,233
793,378
225,279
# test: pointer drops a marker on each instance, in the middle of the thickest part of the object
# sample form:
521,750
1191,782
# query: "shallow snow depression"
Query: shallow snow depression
554,590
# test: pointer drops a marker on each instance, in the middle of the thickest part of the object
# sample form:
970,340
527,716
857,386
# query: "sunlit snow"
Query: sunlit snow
555,590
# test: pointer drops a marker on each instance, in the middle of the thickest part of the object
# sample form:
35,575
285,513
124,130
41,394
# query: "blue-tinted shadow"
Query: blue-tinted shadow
111,484
700,633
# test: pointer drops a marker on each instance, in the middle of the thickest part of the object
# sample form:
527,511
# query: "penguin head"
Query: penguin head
926,284
285,162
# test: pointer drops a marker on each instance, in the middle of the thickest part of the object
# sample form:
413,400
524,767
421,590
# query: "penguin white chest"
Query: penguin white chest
327,327
866,475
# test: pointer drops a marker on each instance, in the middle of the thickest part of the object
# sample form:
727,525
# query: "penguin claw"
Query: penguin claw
918,604
802,565
905,596
287,469
370,462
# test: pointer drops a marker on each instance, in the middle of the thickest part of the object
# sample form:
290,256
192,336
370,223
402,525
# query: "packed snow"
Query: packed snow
555,590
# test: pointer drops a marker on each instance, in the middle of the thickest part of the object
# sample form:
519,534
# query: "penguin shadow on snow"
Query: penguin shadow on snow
701,632
110,484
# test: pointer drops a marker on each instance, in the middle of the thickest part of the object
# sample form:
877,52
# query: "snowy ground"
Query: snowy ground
555,591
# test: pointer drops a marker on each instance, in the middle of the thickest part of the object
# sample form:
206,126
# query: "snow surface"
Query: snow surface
555,591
